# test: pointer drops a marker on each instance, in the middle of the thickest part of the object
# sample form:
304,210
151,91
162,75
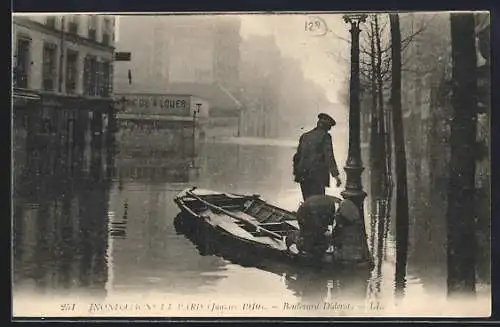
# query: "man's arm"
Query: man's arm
296,156
330,157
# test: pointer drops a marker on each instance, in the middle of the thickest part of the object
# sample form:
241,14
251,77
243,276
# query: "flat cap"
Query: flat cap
327,118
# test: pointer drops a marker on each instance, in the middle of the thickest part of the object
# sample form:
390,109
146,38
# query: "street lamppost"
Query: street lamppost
354,166
195,111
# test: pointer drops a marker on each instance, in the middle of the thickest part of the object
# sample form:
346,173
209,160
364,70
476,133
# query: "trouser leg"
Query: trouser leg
311,188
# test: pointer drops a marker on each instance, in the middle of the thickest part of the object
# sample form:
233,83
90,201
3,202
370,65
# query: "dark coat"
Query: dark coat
314,160
316,213
314,216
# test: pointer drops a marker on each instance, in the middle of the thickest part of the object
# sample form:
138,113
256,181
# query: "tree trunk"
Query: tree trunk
381,123
402,216
460,215
375,171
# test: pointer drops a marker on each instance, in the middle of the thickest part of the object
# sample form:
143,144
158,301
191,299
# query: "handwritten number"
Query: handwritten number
315,25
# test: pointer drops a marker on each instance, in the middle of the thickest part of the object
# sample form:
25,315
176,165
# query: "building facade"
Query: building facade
62,74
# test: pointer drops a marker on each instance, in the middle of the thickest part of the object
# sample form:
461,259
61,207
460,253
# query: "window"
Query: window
92,34
49,73
90,76
106,39
73,23
107,31
106,79
71,71
93,27
22,66
50,21
99,79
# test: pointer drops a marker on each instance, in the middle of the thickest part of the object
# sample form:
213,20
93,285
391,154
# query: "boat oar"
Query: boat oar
232,215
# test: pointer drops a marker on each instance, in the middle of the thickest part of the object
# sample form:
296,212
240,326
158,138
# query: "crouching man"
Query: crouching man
320,218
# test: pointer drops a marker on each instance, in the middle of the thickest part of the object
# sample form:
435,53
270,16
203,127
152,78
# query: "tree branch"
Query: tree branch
405,42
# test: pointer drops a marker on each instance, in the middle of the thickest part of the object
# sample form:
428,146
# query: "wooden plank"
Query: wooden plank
234,215
225,222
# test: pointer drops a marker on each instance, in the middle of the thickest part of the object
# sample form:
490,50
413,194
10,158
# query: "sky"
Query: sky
324,55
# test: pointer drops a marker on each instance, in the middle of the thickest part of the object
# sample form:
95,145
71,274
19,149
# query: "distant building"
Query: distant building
195,56
260,75
278,100
63,62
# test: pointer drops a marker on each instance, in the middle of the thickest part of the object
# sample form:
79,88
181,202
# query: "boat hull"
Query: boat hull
195,222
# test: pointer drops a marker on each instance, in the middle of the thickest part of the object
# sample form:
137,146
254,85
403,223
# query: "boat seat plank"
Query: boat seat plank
245,216
230,206
274,223
281,232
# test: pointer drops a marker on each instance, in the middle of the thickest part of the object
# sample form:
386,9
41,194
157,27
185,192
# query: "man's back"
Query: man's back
317,212
311,152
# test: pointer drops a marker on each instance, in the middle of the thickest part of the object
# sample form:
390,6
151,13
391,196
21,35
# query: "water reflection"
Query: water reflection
247,168
118,227
145,254
153,166
60,217
308,284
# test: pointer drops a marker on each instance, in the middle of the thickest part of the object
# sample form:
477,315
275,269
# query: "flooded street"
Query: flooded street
102,227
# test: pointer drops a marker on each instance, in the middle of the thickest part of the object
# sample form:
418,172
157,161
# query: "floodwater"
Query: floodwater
100,226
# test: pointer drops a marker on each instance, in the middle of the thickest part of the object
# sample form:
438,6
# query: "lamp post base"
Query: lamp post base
353,238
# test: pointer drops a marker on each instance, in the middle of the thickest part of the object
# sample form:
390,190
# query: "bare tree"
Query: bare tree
460,215
376,74
402,213
375,162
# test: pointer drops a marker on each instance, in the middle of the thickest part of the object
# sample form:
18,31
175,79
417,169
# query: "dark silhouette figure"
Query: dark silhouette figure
314,160
314,216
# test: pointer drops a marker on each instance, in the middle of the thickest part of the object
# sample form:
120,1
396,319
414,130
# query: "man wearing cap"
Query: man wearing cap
314,161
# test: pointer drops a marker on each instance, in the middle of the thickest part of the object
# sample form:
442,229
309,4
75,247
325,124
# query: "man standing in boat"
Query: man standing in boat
314,161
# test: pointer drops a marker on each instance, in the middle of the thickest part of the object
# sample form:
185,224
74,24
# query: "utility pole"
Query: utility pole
195,111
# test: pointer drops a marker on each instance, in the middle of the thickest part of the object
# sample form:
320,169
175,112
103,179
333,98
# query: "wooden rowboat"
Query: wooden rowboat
246,221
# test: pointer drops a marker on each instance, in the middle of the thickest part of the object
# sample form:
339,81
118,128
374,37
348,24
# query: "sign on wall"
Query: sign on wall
123,56
156,104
